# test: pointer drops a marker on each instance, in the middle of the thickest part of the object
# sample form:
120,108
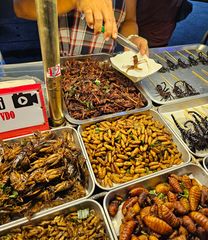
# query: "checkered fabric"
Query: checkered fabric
77,38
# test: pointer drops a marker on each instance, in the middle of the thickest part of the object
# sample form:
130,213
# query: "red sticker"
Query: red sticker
54,71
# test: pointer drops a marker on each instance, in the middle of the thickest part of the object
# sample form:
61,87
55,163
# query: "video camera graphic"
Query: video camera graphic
24,99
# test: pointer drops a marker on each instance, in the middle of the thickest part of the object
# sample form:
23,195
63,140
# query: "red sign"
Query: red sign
22,111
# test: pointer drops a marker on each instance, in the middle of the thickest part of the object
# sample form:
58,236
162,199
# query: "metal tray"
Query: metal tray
102,57
186,157
87,203
205,163
183,74
175,108
91,184
196,171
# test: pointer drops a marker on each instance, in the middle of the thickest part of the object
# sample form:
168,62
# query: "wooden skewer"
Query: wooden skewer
199,111
151,81
199,76
161,58
166,52
166,80
182,55
201,52
205,72
186,114
175,78
190,53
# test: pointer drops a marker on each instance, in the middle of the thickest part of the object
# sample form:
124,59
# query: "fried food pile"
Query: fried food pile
176,209
38,172
128,148
92,88
68,226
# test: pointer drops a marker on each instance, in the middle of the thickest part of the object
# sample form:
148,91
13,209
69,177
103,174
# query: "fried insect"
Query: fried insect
164,91
200,219
175,185
126,229
162,188
189,224
169,217
136,63
186,181
47,170
171,196
128,203
204,211
204,196
158,225
194,197
185,203
92,88
113,207
82,224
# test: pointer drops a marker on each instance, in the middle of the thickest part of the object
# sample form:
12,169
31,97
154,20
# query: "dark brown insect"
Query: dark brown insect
164,92
92,88
194,197
158,225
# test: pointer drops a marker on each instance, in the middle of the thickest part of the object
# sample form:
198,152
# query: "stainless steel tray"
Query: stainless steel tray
86,203
196,171
102,57
205,163
91,184
177,110
186,157
183,74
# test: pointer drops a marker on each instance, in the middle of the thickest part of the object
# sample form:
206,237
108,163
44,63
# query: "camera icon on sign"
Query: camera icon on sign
24,99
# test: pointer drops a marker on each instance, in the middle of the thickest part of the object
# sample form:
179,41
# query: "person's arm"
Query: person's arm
95,13
130,27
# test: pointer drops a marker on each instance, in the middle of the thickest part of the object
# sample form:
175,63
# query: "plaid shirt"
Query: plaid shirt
76,38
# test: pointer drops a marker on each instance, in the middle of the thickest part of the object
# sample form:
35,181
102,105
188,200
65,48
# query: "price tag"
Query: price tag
22,111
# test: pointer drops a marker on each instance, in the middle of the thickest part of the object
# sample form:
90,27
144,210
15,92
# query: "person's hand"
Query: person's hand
141,43
98,13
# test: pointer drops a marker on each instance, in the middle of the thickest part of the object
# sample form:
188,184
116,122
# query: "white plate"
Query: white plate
123,61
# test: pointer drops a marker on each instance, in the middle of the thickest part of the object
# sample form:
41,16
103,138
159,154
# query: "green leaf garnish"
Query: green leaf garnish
152,192
14,194
161,196
97,82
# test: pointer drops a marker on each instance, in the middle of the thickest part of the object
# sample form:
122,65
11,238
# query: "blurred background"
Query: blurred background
19,41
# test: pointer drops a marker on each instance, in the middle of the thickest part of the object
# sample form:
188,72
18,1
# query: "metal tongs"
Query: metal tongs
125,42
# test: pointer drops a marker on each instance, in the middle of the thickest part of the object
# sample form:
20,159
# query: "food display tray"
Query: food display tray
179,109
189,169
102,57
85,203
91,184
186,157
149,84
